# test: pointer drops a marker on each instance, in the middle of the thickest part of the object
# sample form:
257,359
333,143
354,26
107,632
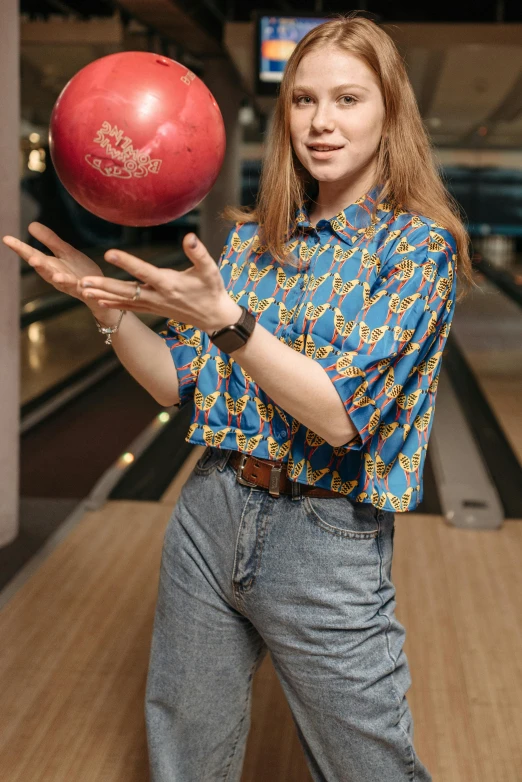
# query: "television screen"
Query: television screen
277,38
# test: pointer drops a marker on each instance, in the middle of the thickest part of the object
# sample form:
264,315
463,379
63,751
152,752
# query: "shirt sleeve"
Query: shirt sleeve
186,344
377,364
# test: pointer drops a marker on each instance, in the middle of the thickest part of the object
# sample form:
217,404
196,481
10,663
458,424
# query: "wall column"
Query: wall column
222,82
9,270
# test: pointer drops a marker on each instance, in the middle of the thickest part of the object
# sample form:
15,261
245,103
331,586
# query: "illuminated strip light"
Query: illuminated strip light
104,486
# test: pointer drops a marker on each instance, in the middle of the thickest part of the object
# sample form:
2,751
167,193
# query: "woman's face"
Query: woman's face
337,116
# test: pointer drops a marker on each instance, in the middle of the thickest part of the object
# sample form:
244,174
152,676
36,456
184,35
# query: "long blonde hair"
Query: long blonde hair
405,165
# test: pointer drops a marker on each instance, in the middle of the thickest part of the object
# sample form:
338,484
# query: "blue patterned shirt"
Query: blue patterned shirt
372,303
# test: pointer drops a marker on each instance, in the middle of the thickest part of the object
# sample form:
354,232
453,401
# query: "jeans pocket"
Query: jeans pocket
211,459
344,518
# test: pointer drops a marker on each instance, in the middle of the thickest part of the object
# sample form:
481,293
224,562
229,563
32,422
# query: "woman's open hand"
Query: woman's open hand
195,296
63,269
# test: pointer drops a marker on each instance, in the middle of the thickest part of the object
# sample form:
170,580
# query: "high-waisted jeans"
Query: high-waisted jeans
309,580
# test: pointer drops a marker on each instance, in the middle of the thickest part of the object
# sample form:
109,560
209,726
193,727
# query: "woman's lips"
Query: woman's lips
323,154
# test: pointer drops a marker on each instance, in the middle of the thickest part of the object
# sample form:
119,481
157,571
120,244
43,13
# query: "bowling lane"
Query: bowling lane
65,454
488,327
53,349
71,447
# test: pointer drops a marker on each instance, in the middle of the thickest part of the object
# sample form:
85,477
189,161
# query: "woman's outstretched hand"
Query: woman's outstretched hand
195,296
64,269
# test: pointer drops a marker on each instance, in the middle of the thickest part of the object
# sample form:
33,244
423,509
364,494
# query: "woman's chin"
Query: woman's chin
329,175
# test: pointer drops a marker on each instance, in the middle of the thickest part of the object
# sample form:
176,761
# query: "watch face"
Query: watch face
231,340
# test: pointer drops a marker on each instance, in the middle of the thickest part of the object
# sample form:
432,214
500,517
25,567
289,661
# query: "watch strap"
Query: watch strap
243,328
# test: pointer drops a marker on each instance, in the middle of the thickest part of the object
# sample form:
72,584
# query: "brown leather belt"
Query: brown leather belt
271,475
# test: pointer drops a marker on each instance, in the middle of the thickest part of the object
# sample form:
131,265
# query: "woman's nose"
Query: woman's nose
323,119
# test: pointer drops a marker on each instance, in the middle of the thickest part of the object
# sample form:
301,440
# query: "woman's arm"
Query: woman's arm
144,354
296,383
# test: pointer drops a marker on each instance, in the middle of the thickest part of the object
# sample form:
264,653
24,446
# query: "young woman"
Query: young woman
316,411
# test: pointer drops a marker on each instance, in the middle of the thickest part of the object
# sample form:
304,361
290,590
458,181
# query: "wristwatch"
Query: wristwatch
235,336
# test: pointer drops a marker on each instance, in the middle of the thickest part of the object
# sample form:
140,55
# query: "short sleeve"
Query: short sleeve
186,344
377,363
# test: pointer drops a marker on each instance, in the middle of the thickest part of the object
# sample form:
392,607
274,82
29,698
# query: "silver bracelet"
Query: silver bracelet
109,330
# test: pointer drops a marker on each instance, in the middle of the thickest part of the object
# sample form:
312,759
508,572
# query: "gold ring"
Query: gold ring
138,291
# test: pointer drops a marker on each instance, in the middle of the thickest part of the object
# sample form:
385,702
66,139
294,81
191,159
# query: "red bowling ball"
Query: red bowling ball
137,139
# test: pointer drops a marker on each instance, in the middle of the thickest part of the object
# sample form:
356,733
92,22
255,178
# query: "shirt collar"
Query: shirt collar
354,216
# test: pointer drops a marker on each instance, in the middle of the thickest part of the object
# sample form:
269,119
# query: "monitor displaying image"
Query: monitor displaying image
277,38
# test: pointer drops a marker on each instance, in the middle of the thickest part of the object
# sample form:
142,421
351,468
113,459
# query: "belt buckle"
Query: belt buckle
274,480
239,472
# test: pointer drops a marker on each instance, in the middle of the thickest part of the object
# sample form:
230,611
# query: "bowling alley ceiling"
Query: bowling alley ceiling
464,59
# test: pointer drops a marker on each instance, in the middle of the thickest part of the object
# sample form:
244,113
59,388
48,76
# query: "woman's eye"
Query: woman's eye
306,100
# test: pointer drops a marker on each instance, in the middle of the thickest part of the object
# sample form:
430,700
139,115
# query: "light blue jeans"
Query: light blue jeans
307,579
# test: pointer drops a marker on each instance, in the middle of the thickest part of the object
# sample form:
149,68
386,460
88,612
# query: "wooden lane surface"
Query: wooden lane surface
76,639
52,350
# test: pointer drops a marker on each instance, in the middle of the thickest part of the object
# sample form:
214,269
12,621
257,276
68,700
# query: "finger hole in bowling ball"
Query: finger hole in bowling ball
162,62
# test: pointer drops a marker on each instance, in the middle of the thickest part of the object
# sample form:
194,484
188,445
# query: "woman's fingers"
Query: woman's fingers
120,295
143,271
51,240
198,254
109,288
105,295
52,270
65,260
43,264
25,251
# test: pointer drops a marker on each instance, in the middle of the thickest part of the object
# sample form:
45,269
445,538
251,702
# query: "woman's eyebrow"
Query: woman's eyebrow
339,87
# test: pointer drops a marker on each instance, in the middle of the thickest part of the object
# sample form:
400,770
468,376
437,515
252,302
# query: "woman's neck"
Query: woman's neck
333,197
